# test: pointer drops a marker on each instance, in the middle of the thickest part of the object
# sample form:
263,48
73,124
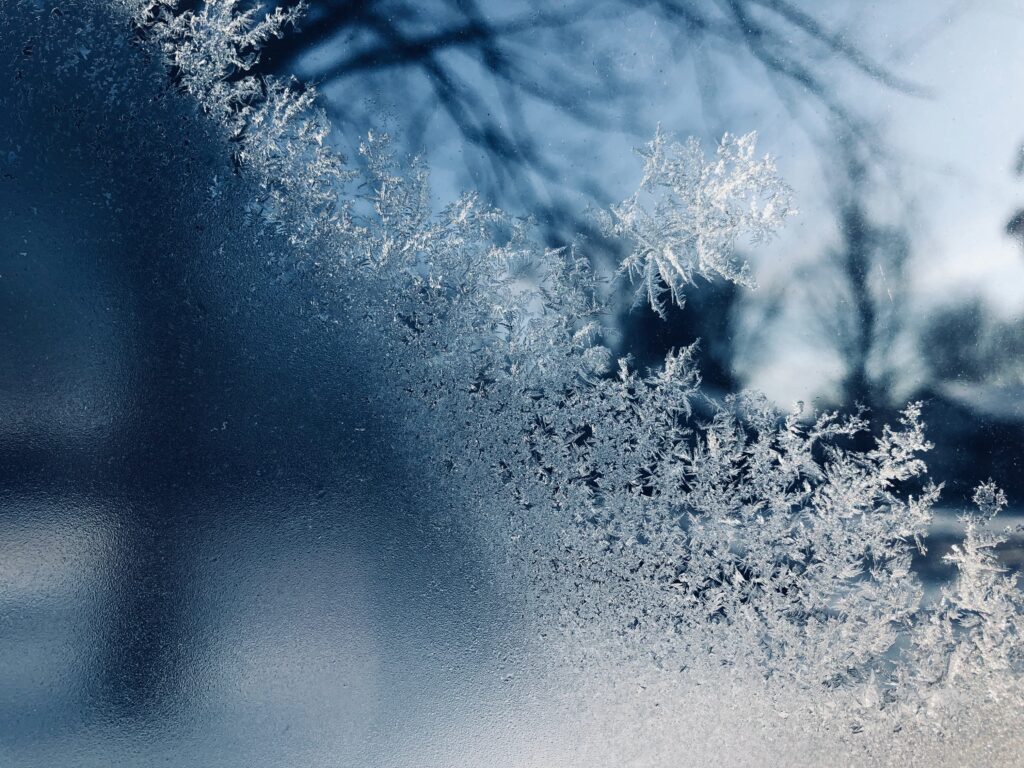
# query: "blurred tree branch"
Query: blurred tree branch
484,68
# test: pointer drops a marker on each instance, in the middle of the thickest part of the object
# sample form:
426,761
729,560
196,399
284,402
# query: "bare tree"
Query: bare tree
857,292
497,80
488,73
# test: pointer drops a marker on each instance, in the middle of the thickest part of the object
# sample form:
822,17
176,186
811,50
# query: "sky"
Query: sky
955,188
967,138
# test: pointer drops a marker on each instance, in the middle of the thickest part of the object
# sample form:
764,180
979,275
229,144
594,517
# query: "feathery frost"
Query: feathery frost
755,541
690,212
772,546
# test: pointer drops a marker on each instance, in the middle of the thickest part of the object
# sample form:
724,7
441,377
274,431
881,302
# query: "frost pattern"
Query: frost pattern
689,213
755,544
276,128
972,647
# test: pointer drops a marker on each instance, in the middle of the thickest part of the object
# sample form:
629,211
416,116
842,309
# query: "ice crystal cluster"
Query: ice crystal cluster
696,211
751,565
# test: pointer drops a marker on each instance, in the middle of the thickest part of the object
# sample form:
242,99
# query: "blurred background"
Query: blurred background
899,125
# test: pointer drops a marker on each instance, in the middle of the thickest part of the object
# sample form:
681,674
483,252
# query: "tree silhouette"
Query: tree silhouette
492,74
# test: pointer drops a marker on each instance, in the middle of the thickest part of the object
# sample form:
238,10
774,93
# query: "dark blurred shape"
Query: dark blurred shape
974,393
1015,226
951,343
220,542
707,318
857,293
871,261
968,344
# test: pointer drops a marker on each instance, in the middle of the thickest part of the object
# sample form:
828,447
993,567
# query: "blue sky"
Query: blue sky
956,148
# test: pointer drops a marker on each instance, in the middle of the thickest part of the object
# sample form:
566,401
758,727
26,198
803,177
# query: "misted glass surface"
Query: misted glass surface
511,383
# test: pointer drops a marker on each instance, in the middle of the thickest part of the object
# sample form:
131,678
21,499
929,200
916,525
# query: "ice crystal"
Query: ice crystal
277,129
690,211
970,648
